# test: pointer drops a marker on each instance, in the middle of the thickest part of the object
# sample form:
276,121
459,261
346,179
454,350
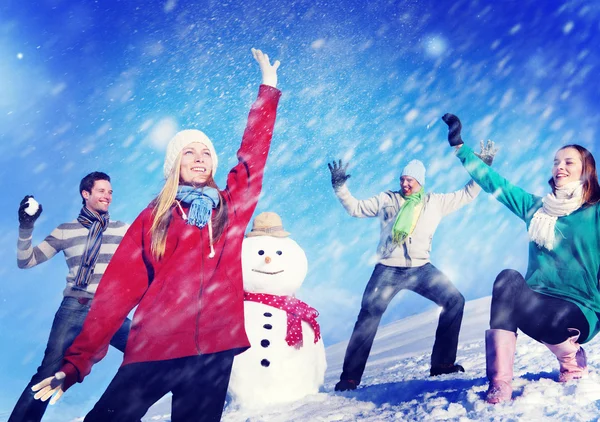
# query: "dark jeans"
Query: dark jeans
543,318
198,383
67,324
384,284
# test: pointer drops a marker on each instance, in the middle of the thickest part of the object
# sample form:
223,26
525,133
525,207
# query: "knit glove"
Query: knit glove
25,220
488,152
454,128
338,174
269,72
52,386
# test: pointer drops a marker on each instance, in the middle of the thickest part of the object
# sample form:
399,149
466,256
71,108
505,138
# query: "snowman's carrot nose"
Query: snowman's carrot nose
267,259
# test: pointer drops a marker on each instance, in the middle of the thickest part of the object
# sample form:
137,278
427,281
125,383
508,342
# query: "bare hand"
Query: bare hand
50,386
269,72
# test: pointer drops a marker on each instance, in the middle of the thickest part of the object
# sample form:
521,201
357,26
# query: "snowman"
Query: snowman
286,360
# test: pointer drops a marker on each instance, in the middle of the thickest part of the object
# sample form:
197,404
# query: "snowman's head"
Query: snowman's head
273,265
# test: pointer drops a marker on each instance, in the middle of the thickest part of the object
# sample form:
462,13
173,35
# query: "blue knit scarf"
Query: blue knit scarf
202,201
96,223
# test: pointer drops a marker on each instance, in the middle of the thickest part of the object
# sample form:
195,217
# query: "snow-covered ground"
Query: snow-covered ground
397,386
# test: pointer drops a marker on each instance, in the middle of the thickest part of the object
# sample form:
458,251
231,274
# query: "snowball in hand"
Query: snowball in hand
32,206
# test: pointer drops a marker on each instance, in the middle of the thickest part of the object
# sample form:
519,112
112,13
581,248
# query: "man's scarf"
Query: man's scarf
404,219
96,224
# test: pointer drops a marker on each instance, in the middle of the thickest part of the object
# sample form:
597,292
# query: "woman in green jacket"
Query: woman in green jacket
558,300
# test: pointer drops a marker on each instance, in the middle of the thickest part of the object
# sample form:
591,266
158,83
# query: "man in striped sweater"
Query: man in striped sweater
88,244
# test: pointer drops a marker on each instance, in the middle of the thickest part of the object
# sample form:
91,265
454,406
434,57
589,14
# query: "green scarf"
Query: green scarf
404,219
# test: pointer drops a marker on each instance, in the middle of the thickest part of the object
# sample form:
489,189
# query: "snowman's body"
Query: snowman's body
272,371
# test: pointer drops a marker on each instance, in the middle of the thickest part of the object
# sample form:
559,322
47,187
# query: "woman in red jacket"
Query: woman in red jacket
180,264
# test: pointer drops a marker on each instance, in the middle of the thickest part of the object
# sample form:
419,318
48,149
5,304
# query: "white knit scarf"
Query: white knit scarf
562,202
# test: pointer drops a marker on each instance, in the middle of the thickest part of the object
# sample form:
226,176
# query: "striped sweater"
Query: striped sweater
70,238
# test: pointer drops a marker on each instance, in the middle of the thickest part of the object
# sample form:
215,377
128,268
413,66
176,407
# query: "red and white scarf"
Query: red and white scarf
297,311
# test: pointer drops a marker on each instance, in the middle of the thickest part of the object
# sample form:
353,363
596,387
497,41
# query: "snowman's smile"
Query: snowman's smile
267,272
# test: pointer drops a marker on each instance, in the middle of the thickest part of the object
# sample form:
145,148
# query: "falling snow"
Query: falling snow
102,85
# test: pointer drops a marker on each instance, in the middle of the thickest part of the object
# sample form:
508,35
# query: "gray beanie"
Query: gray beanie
416,170
183,139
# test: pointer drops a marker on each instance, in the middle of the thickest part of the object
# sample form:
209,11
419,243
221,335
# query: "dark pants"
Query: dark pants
67,324
543,318
198,383
384,284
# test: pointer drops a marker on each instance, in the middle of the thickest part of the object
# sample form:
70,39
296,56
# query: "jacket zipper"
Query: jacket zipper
196,336
406,244
407,253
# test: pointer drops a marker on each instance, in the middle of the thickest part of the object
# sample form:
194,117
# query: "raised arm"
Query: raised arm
355,207
244,181
124,282
450,202
520,202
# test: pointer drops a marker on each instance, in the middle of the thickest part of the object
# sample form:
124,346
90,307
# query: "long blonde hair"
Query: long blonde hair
165,201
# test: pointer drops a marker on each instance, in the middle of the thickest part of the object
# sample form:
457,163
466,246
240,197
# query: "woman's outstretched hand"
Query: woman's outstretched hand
268,70
454,128
51,386
488,152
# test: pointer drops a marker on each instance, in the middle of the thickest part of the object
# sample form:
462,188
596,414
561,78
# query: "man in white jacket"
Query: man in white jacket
408,220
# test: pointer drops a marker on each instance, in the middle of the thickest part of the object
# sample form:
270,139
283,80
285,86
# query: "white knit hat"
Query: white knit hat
416,170
183,139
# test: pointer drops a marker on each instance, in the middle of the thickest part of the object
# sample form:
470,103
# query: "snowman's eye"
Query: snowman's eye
261,252
278,252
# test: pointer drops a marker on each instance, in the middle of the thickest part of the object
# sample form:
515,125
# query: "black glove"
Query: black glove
25,220
454,128
338,174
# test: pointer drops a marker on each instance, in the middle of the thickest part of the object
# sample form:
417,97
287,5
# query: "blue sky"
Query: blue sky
103,85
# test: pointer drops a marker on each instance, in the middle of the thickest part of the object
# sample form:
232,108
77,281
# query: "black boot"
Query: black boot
345,385
448,368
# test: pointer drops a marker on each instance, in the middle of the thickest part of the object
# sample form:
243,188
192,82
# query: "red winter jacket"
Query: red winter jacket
188,303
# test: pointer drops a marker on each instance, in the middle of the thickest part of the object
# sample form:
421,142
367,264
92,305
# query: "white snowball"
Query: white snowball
33,206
